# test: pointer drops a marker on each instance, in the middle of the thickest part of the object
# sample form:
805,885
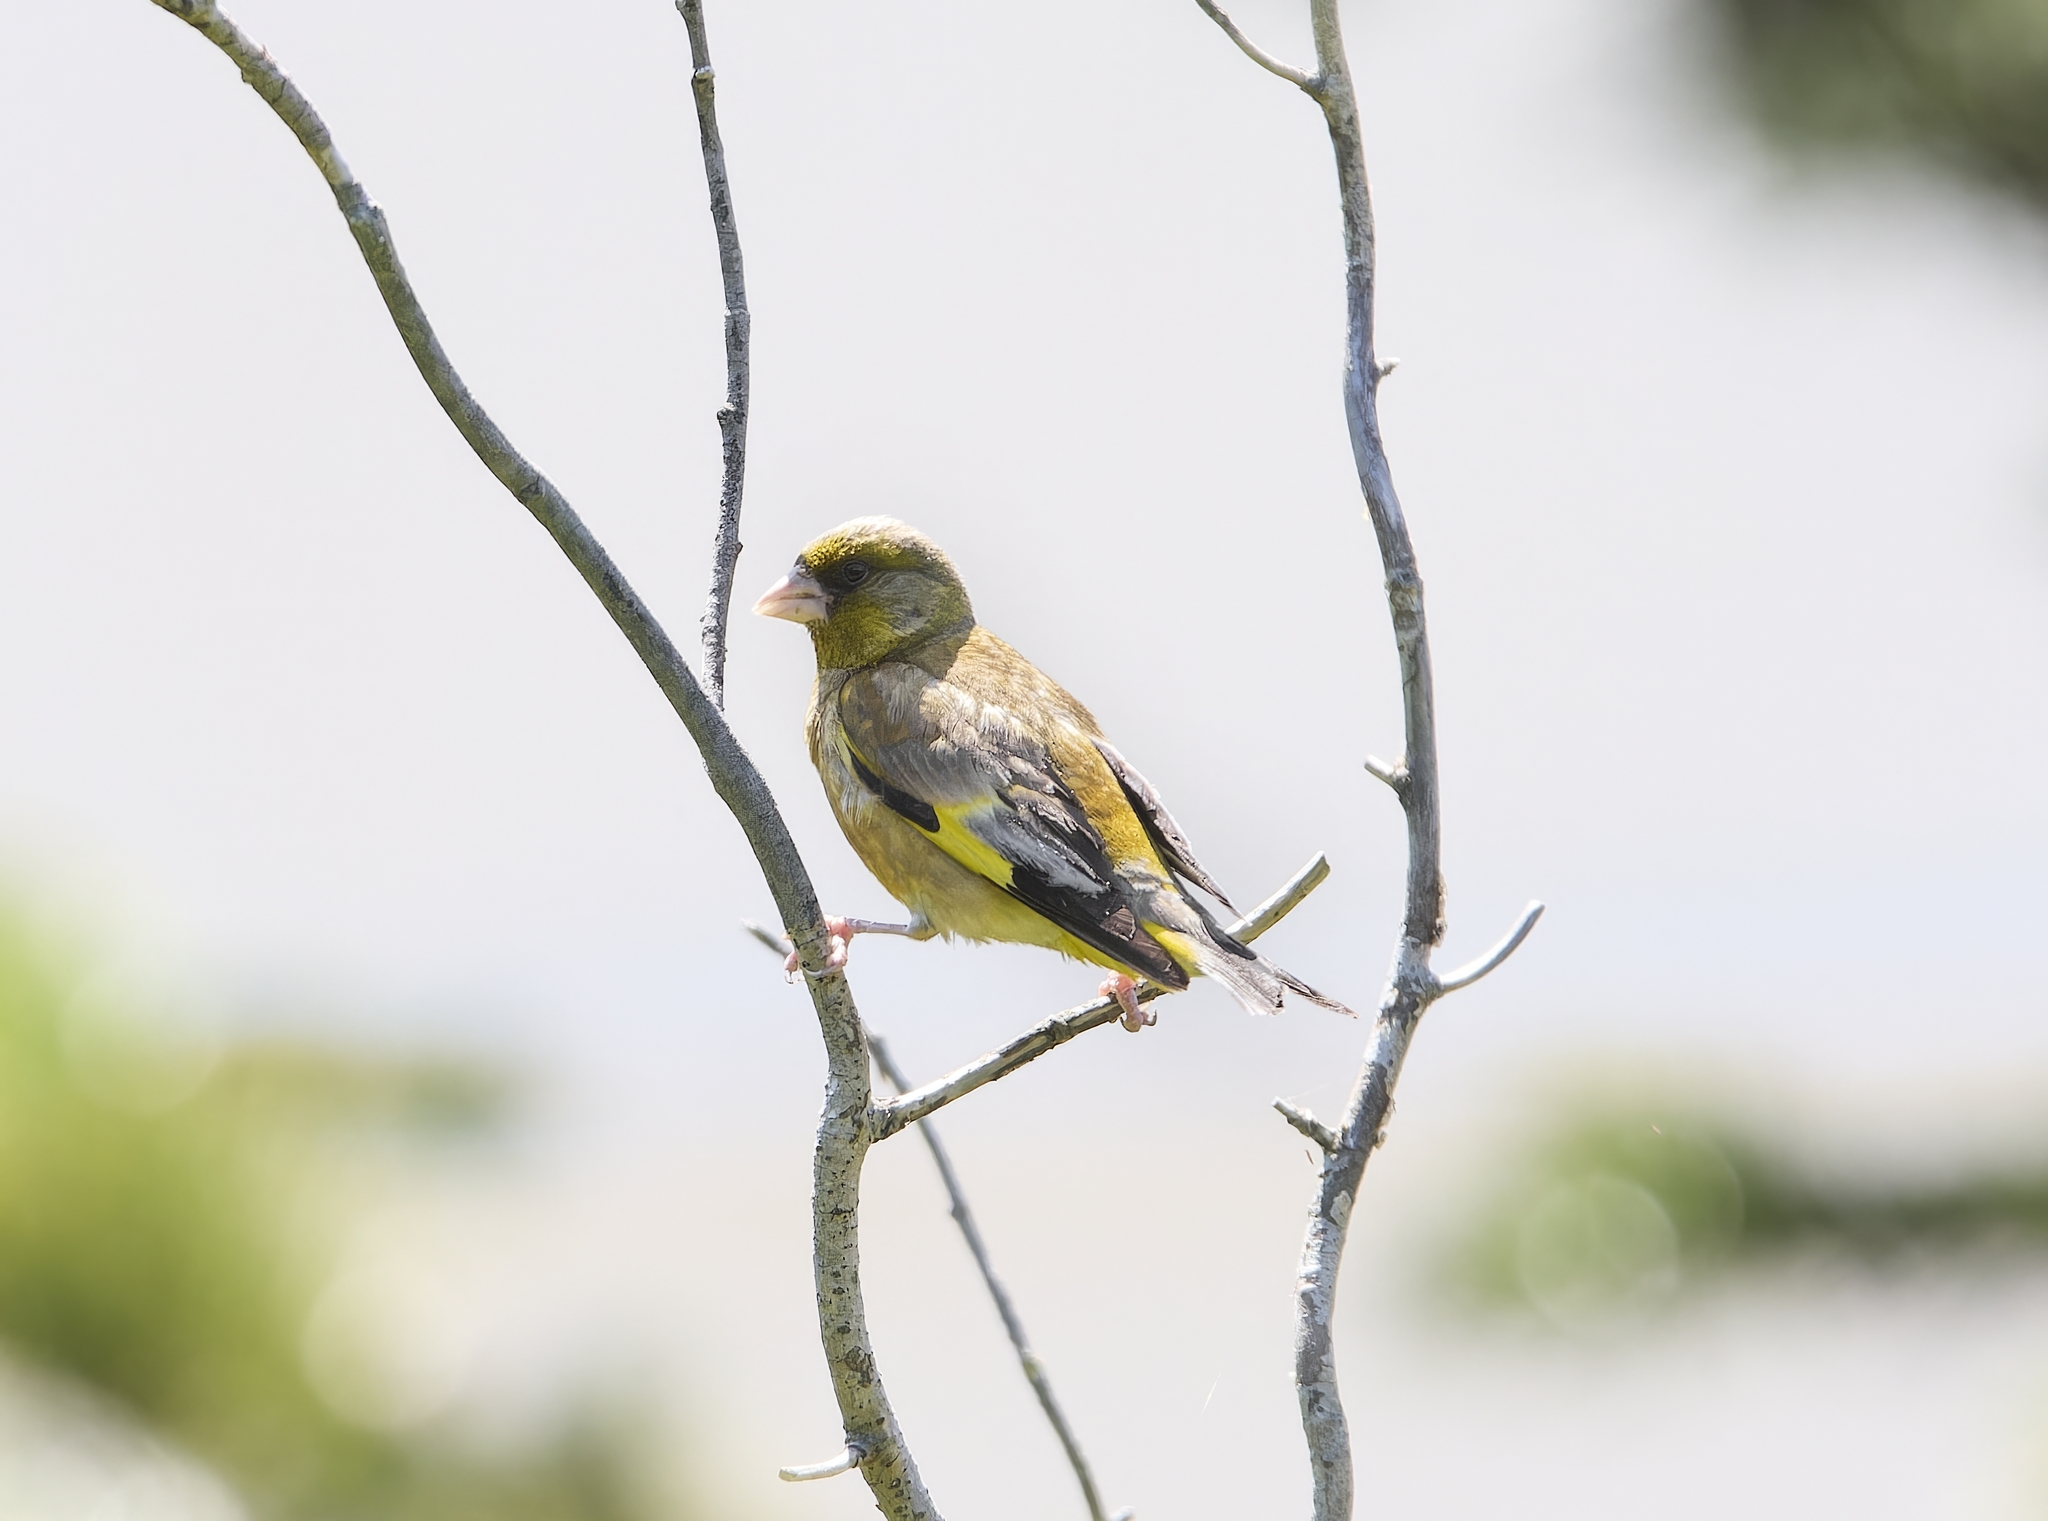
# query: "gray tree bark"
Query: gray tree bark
1410,985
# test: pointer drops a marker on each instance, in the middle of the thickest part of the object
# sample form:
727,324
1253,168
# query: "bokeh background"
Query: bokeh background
394,1119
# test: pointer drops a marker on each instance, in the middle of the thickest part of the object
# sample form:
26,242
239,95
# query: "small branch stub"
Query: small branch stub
1395,776
848,1460
1307,1124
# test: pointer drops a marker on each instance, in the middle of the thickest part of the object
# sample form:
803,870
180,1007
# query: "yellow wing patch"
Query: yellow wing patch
969,848
953,835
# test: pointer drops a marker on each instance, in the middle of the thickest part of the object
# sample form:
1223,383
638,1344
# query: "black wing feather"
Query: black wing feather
915,809
1167,839
1097,915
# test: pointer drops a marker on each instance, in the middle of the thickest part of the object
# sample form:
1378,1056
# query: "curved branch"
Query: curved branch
920,1103
1257,54
843,1136
732,417
1472,971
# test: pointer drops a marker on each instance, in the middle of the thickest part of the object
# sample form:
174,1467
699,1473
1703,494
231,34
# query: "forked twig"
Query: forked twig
963,1216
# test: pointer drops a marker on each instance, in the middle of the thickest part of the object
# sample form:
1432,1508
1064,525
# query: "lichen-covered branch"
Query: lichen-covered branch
1410,987
920,1103
843,1135
732,417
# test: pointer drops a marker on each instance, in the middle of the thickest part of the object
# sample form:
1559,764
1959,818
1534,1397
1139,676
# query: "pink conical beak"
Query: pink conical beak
797,597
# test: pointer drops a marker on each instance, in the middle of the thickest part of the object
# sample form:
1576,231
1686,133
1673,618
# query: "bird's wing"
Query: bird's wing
1167,839
988,793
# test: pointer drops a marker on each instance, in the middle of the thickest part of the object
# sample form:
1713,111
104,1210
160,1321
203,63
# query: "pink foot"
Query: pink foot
841,931
1124,991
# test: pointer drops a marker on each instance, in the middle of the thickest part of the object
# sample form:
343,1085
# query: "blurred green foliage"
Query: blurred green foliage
1622,1204
167,1220
1963,83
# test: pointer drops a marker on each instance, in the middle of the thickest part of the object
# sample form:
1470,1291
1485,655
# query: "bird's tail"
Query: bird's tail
1260,985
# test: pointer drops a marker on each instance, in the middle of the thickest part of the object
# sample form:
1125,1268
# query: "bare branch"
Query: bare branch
1307,1124
963,1216
849,1459
1034,1370
1047,1034
1410,985
732,417
843,1136
1472,971
1257,54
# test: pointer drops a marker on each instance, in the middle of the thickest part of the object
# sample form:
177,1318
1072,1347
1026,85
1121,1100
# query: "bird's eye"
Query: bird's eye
852,573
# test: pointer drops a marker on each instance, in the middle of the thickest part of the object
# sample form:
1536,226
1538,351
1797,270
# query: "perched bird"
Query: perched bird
982,795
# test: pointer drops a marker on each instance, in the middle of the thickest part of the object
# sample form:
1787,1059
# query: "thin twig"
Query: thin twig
1254,52
843,1136
732,417
908,1108
1472,971
1034,1370
1410,987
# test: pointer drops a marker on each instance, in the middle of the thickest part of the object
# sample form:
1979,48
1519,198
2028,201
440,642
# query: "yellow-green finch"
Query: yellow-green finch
983,796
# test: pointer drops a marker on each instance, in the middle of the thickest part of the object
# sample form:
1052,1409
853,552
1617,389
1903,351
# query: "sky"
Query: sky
1728,487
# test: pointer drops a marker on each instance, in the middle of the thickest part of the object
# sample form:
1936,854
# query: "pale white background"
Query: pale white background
1730,490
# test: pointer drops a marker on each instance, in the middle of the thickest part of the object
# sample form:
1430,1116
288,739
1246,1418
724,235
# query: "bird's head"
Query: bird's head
868,589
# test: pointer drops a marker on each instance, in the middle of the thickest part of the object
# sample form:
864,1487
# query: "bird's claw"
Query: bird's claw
838,932
1135,1016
